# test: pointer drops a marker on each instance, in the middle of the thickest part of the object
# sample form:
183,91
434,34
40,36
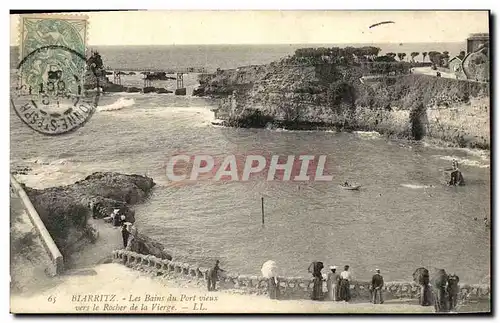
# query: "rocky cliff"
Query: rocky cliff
291,95
66,210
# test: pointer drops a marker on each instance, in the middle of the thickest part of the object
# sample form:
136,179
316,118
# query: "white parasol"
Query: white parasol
269,269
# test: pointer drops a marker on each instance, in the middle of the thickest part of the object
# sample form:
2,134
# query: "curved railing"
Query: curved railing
289,287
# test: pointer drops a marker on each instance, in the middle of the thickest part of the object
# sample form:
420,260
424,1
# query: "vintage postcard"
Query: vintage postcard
203,162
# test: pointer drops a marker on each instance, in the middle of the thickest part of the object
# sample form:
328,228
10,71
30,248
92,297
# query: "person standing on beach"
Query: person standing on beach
346,277
376,287
332,284
213,275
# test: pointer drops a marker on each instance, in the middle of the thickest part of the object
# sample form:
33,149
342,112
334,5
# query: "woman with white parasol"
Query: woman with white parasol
270,271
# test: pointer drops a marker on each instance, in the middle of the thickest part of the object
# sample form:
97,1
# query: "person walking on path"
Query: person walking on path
213,275
125,233
332,284
346,277
376,287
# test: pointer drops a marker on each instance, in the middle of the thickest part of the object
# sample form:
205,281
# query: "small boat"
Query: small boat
350,188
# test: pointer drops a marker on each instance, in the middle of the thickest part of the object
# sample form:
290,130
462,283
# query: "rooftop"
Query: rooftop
482,36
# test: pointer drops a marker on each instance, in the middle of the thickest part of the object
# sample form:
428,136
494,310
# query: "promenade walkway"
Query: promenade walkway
128,284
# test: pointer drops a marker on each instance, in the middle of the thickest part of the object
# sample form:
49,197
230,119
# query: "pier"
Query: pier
186,70
155,74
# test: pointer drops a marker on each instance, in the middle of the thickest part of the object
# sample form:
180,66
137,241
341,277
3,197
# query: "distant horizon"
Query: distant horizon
273,27
268,44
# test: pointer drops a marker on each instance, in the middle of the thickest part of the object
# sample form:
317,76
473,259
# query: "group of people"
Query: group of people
338,284
117,220
442,291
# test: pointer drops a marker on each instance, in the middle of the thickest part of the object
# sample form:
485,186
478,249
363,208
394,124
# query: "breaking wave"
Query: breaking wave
117,105
416,187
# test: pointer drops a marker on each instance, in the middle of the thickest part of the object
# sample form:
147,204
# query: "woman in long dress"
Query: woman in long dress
318,281
332,283
273,288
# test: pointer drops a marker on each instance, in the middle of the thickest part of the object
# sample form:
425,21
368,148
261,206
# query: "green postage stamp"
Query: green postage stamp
52,69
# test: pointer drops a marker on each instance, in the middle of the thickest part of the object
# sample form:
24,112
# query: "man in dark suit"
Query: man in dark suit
376,287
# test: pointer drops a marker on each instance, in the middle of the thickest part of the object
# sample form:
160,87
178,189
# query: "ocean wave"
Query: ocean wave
117,105
481,153
416,186
367,134
464,161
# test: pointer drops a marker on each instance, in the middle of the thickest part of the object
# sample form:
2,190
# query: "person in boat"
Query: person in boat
455,176
346,184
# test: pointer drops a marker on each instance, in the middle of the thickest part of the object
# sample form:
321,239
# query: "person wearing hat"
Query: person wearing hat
332,284
376,287
125,233
115,217
213,275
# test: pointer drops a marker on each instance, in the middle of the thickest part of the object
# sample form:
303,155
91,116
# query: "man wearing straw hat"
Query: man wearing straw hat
376,287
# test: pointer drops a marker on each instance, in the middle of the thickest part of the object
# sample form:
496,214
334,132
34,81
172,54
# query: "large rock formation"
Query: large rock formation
298,95
65,210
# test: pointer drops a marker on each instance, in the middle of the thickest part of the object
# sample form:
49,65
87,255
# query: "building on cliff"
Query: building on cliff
476,64
476,40
455,66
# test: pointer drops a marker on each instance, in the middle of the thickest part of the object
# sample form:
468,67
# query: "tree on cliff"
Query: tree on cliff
95,60
445,57
413,55
461,55
401,56
424,55
435,58
391,54
384,58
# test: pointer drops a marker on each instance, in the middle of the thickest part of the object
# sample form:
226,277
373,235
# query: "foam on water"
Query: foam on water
117,105
481,153
416,186
367,134
465,161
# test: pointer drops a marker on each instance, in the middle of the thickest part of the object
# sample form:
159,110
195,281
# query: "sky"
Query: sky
276,27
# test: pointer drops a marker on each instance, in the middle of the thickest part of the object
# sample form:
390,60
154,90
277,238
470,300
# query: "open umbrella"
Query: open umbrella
269,269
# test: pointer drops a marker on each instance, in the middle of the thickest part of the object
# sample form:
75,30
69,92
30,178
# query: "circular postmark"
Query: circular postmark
51,96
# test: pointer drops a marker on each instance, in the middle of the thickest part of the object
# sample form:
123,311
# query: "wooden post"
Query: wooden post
262,200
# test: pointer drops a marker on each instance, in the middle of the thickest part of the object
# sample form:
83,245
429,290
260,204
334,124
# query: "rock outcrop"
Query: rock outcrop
65,210
319,95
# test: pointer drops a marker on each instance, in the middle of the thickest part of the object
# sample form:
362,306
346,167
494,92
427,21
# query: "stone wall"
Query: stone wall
290,287
45,237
